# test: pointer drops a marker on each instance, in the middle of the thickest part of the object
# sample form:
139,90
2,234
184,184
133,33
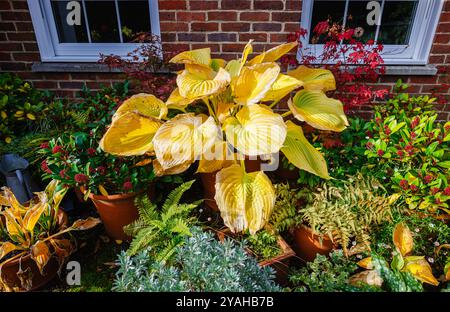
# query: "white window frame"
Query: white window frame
421,40
53,51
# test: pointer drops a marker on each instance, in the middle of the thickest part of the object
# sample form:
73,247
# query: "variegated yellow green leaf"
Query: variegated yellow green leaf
234,67
420,269
183,138
254,82
217,63
147,105
403,239
314,78
160,171
318,110
32,216
245,200
102,190
366,263
41,254
176,101
281,87
130,134
301,153
197,81
13,223
255,130
273,54
198,56
17,208
6,248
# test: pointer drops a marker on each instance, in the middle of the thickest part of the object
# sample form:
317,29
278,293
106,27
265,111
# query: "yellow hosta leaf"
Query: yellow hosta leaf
217,63
273,54
318,110
217,158
314,78
159,171
41,254
245,200
130,134
183,138
224,110
19,114
102,190
6,248
198,56
255,130
403,239
366,263
32,216
234,67
144,104
31,116
176,101
301,153
198,81
254,82
281,87
421,270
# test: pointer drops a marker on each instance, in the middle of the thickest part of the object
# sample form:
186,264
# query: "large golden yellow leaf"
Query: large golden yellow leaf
301,153
130,134
223,110
160,171
366,263
254,82
314,78
273,54
6,248
183,138
218,157
255,130
234,66
13,224
41,254
197,81
420,268
245,200
217,63
198,56
147,105
176,101
32,216
403,239
281,87
318,110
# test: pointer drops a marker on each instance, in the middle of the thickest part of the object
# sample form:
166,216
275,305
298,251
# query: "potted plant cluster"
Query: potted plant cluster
34,242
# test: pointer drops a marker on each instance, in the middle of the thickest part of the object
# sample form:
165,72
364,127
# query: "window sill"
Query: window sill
411,70
50,67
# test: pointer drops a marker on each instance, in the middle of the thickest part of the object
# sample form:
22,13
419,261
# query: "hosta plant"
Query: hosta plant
239,96
402,266
36,228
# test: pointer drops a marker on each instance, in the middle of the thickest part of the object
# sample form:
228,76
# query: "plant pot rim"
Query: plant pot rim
112,197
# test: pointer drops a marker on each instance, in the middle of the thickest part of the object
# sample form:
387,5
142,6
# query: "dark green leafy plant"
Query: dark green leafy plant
285,213
327,275
22,107
264,245
202,264
161,230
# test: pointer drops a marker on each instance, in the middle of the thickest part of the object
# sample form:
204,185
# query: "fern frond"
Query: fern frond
175,196
181,227
142,239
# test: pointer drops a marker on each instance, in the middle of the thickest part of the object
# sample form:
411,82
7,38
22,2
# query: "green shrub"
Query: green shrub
202,264
263,245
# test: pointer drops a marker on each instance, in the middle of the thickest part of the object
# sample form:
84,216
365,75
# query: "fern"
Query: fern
161,229
80,118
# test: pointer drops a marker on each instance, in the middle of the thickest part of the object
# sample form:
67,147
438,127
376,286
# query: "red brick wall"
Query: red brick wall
223,25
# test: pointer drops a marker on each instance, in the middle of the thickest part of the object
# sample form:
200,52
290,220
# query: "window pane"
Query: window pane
357,19
397,22
323,10
131,25
68,32
102,18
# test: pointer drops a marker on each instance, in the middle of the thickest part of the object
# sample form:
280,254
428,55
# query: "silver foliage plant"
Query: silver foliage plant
201,264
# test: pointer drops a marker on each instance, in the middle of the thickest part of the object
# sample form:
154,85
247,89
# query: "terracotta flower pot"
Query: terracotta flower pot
28,267
308,244
209,182
116,211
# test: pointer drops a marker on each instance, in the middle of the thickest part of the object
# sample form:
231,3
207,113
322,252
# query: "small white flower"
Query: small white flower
431,260
367,138
209,219
417,230
354,243
350,161
431,225
200,210
359,256
384,178
436,244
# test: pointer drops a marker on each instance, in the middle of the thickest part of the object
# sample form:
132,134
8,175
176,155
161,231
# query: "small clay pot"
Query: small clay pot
117,211
308,244
209,182
27,265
